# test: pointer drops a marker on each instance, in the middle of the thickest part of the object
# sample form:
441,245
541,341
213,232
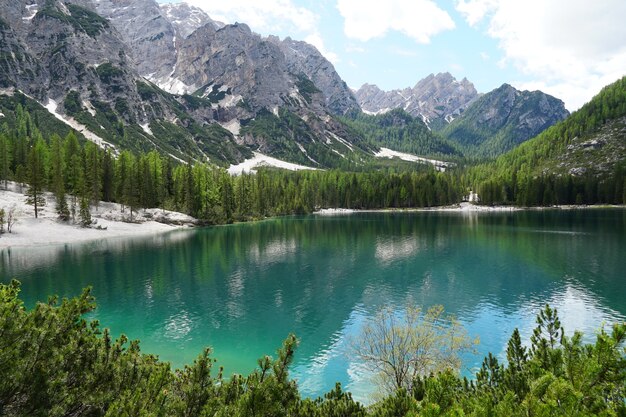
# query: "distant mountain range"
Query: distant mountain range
482,125
139,75
437,99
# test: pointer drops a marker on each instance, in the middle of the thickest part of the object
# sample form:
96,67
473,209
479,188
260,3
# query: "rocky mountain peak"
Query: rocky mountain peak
150,35
437,99
186,18
304,58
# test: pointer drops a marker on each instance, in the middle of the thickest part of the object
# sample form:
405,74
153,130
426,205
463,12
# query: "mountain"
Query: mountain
133,74
304,58
581,159
74,62
437,99
242,81
502,119
186,18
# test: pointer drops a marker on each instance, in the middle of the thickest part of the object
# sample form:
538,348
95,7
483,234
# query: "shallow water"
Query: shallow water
243,288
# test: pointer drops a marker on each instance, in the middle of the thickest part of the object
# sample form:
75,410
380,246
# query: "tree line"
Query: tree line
53,362
81,175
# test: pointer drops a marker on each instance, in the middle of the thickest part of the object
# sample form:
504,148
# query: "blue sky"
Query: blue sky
567,48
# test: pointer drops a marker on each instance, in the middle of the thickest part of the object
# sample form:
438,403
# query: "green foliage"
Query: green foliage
284,134
482,134
72,103
528,175
85,214
36,176
91,23
53,362
146,91
400,131
195,103
80,18
306,87
108,72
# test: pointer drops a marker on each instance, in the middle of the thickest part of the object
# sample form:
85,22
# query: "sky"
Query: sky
567,48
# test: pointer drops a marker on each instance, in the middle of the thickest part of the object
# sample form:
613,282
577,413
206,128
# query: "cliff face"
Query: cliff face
303,58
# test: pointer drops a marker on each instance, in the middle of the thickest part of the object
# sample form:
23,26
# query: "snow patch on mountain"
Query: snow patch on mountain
259,160
52,105
388,153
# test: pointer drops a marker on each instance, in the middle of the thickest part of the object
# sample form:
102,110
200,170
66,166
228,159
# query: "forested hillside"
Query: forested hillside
83,174
502,119
581,160
400,131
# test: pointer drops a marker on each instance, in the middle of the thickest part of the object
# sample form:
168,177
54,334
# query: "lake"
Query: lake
243,288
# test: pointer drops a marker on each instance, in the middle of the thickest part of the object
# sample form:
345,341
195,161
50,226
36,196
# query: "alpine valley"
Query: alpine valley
138,75
221,192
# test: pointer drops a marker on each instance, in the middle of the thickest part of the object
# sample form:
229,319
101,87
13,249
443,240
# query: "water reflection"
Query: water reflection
242,289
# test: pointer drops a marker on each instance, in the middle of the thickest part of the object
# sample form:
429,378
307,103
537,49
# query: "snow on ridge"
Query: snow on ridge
306,153
32,9
52,105
259,160
146,128
228,101
388,153
340,140
376,113
89,107
171,85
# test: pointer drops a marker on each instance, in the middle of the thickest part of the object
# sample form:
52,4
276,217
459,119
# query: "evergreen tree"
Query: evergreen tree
85,214
93,173
108,176
5,159
36,176
63,211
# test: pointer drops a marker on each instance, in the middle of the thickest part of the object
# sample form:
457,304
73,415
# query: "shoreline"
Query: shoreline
109,222
464,208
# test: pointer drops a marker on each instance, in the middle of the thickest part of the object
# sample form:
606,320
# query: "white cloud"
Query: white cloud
417,19
568,48
267,16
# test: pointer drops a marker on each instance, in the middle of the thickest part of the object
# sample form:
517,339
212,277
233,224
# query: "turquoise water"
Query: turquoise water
243,288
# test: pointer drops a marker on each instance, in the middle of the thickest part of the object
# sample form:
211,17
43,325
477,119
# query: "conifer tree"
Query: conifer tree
5,159
36,176
93,172
85,214
108,176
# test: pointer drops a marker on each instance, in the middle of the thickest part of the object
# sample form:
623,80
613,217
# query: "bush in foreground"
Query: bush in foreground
55,363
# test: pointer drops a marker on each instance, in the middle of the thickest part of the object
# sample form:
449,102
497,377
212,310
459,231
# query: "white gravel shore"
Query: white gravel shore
109,222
